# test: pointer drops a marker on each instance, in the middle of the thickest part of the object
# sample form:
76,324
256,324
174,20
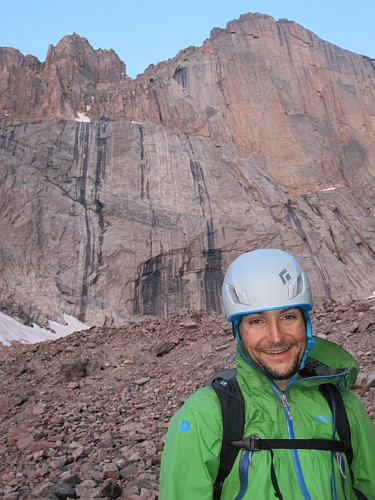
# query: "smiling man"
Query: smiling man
276,341
295,405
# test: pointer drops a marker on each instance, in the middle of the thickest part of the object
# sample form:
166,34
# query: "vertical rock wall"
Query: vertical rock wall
109,220
262,137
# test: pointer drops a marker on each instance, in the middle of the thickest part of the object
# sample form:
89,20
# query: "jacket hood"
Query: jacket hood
328,359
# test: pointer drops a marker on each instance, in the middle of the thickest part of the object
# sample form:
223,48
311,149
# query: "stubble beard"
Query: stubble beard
282,374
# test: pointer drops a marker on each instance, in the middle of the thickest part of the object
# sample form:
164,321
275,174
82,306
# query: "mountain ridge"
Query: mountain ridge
126,197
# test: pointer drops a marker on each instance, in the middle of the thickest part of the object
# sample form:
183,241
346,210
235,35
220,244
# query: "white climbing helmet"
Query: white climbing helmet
262,280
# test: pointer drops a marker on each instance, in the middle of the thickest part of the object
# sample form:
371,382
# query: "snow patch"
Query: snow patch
11,330
81,117
72,325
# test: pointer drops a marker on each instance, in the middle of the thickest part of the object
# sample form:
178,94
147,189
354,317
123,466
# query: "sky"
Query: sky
144,32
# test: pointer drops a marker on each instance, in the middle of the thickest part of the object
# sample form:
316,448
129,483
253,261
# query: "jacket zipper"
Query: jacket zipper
286,406
291,435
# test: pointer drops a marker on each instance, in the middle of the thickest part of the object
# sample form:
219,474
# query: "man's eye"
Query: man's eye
289,316
255,322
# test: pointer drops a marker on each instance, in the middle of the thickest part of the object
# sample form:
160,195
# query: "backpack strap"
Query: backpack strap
255,443
233,414
334,397
336,404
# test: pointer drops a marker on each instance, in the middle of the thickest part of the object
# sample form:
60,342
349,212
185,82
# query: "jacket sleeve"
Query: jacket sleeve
190,459
363,443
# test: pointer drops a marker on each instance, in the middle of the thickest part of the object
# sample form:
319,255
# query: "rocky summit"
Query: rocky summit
122,198
86,416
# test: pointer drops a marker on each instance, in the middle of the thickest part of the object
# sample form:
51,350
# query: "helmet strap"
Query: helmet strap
236,324
310,340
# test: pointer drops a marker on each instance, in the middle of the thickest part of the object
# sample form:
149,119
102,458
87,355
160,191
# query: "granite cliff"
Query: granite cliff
122,197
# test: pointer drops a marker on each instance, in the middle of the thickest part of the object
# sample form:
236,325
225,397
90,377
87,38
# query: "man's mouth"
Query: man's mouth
274,352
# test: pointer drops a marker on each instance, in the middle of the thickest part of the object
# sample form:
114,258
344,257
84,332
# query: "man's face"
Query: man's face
276,341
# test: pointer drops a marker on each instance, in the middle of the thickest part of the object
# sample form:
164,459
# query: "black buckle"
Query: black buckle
250,443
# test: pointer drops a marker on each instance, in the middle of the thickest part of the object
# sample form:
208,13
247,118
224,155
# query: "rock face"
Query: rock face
63,86
123,197
99,433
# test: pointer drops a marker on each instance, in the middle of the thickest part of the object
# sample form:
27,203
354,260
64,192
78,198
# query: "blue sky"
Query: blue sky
144,32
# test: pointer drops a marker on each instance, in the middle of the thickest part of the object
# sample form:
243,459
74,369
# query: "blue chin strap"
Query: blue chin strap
236,323
310,340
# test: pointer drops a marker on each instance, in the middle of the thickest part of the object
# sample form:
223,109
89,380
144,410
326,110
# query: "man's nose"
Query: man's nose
275,332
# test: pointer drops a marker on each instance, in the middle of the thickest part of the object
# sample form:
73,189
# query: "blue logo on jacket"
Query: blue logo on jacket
184,426
323,419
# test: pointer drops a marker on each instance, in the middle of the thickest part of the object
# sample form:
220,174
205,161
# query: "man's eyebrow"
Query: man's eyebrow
282,310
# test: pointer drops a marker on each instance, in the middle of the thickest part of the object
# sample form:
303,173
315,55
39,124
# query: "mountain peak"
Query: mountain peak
262,137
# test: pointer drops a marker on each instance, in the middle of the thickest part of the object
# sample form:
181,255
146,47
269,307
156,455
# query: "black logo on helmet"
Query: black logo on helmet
284,276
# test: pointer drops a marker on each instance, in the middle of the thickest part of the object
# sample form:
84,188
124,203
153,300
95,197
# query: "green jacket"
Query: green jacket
190,458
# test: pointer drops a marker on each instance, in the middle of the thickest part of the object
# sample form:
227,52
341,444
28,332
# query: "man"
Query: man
280,366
